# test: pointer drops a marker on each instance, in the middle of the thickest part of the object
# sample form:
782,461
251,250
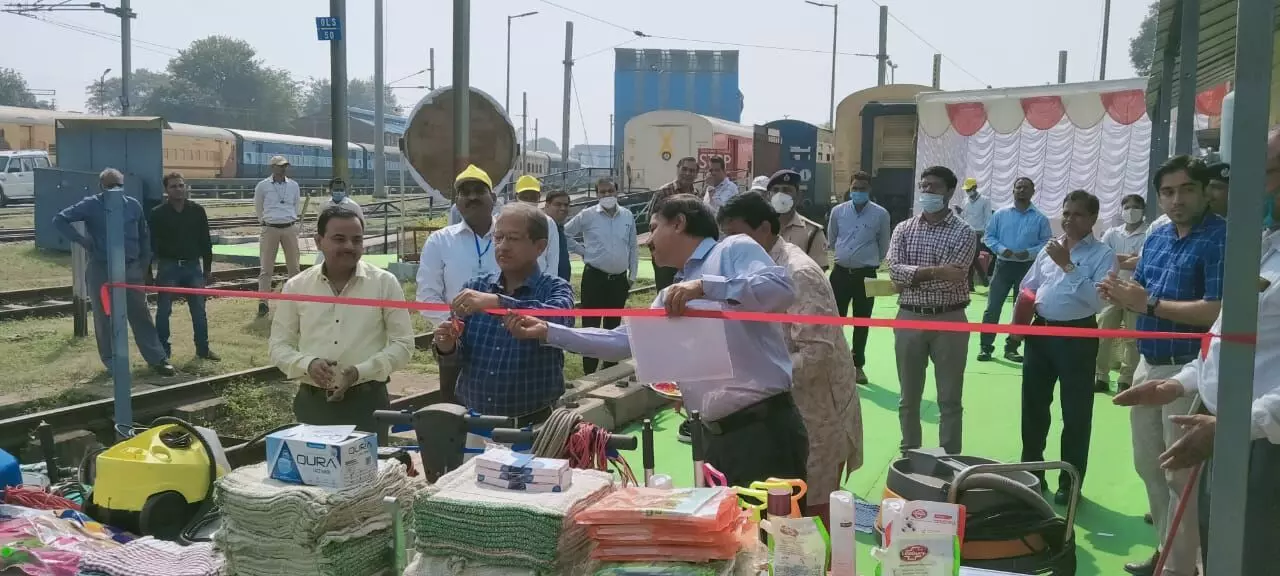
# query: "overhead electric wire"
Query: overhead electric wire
930,45
581,118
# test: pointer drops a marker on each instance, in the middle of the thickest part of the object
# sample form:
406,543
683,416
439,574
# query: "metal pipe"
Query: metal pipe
120,375
1189,46
379,111
431,68
882,56
524,131
338,93
568,91
1229,501
461,84
1062,66
1106,38
937,71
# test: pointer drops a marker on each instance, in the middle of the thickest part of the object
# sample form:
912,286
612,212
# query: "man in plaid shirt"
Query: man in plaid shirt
497,374
929,260
687,172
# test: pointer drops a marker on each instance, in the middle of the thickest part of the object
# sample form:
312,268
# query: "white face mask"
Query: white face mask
1133,215
930,203
609,202
782,203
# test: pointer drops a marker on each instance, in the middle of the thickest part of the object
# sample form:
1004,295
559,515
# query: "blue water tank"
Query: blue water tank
10,473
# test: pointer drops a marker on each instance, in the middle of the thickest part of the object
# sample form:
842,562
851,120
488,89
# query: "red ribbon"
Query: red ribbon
929,325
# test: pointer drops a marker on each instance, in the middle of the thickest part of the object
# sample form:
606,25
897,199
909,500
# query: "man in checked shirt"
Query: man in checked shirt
929,259
496,374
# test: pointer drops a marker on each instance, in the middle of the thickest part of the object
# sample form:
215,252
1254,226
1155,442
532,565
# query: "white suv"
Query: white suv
17,173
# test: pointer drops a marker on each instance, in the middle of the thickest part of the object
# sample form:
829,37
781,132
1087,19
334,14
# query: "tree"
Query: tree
104,97
1142,47
318,92
219,81
14,91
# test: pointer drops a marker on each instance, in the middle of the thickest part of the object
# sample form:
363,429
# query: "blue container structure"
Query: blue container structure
700,81
806,149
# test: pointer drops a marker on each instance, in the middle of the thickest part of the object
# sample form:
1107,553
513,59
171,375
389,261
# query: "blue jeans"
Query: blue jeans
1006,279
181,274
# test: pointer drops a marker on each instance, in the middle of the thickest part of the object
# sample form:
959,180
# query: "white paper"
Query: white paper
333,434
680,349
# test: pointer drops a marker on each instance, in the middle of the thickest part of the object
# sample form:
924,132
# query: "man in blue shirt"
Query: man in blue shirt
1064,278
752,428
858,232
1015,234
1177,287
496,374
557,208
92,210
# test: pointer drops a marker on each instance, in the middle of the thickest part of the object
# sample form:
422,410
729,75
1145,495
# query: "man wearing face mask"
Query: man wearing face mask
338,197
929,259
611,257
1126,241
976,212
1015,234
719,187
860,238
784,194
529,192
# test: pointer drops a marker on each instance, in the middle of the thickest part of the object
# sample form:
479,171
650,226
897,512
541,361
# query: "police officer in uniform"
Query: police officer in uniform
784,196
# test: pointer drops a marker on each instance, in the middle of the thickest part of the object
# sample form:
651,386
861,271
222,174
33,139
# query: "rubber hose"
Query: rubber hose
551,439
1007,486
187,535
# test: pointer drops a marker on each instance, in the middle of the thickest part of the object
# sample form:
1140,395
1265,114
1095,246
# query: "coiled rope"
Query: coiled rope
566,435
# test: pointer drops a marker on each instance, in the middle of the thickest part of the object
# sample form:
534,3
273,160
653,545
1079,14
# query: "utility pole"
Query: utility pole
835,27
611,150
1062,66
338,93
124,13
461,84
102,92
1106,38
524,131
431,67
379,109
568,91
506,100
937,71
535,134
883,56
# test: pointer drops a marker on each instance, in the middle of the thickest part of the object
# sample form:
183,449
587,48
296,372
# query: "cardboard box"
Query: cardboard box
326,456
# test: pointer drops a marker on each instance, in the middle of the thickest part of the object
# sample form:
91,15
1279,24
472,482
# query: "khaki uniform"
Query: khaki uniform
809,237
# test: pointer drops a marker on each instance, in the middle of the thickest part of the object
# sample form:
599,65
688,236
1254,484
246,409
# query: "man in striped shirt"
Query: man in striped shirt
929,259
686,173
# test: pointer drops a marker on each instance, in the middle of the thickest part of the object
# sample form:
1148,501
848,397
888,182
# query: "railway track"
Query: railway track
36,302
96,415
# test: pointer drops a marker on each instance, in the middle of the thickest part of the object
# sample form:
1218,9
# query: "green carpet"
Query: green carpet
1109,526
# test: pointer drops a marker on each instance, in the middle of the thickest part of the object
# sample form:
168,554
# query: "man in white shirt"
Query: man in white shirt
276,201
1262,531
719,187
1126,241
461,251
338,197
529,191
975,210
342,355
608,248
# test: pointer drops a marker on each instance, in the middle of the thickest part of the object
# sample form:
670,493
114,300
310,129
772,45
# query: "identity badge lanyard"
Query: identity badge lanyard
480,253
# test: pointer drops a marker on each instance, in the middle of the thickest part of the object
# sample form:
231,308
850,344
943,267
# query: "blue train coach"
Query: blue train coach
308,157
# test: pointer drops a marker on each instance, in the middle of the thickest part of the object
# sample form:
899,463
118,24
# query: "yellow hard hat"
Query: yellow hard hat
528,182
473,174
970,183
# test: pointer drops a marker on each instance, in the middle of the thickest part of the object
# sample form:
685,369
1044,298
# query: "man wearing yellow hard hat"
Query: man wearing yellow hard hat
529,191
975,210
460,251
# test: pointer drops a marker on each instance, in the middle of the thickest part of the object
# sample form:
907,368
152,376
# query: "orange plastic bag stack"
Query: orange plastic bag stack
685,525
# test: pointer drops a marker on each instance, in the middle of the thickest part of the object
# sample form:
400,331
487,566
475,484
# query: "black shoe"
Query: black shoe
263,310
209,355
1062,497
984,356
683,435
1148,519
1143,568
1013,356
1101,386
861,377
165,369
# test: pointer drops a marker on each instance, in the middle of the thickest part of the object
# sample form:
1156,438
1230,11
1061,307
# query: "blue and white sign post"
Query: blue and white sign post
328,28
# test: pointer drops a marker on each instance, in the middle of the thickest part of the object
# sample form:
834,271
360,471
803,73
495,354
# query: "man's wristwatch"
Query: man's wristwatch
1152,302
1069,268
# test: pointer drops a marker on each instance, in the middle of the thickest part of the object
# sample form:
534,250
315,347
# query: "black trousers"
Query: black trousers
602,290
1050,360
663,276
764,440
1006,280
983,272
1261,529
311,406
848,286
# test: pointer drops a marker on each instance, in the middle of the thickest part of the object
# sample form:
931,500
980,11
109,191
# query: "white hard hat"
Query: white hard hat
761,183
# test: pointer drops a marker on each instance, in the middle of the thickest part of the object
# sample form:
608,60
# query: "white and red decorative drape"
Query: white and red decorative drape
1094,136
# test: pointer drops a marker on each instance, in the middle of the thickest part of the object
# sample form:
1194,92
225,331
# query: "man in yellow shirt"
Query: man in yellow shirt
341,354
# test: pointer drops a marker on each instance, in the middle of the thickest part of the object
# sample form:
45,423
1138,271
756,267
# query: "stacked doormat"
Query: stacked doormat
271,528
482,527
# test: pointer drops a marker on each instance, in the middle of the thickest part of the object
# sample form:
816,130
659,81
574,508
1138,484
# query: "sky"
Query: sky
997,43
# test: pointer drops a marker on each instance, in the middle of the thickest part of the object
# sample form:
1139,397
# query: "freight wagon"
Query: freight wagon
654,142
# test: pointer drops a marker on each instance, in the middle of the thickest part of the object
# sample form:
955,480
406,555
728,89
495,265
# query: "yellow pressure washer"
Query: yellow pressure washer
157,483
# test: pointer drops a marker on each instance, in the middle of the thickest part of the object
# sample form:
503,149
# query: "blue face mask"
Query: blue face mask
931,203
338,196
859,197
1268,207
